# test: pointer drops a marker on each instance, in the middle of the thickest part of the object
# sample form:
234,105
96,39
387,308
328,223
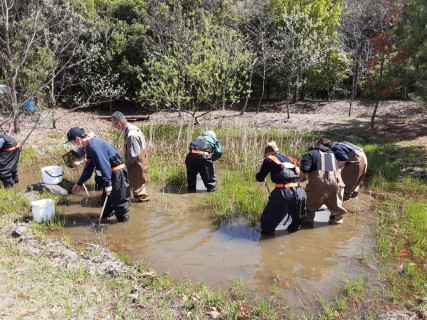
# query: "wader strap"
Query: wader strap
120,166
287,165
288,185
334,162
274,159
10,149
322,161
200,152
323,164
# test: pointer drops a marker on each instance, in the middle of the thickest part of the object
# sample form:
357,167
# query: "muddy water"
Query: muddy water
172,234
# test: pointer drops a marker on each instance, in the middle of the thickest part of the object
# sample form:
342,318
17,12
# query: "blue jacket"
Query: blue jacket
98,154
342,149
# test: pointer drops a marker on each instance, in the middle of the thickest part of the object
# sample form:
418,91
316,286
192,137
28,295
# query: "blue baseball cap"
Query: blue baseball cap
75,132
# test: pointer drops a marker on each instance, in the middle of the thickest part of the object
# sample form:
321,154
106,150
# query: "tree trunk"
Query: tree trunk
242,112
268,89
379,87
354,84
288,93
301,94
262,93
15,107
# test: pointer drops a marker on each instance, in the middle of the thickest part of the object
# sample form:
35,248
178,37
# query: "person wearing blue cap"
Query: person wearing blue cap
203,151
102,155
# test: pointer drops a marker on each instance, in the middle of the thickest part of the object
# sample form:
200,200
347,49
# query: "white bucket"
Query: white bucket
43,209
52,174
200,185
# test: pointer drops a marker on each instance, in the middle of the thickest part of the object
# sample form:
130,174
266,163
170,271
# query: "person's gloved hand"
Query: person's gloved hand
76,189
108,190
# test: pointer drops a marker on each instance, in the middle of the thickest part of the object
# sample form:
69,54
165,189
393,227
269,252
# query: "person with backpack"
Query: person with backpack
203,151
288,197
353,164
325,185
9,156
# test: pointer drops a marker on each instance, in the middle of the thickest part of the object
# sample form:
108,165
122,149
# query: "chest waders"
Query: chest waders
325,188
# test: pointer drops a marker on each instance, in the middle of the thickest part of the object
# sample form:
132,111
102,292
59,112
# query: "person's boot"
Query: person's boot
308,221
337,219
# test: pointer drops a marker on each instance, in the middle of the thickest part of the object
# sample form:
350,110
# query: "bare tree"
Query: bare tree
299,48
259,29
357,30
43,43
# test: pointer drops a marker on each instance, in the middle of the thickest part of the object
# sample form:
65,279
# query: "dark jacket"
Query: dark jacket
311,161
277,173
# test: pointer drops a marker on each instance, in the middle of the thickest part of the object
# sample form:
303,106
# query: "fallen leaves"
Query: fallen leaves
29,312
149,274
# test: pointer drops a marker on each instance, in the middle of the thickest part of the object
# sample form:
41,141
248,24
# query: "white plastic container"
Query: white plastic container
200,184
43,210
52,174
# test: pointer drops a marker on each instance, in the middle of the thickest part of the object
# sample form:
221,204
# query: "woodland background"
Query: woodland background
206,55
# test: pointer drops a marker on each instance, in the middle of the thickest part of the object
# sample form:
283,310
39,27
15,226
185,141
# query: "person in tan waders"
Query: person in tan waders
325,185
353,164
136,159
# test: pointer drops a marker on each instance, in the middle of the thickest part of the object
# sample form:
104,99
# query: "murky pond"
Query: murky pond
171,233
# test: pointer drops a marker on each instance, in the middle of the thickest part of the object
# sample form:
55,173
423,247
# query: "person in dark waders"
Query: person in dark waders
101,155
9,156
287,197
203,151
325,185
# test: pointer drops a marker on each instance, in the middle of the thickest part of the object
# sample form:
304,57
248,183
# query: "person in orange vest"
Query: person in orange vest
202,153
288,197
9,157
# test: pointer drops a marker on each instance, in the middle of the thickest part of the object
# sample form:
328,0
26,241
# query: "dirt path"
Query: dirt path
396,121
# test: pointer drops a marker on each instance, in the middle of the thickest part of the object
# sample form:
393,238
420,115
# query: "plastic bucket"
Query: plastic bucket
43,209
200,185
52,174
